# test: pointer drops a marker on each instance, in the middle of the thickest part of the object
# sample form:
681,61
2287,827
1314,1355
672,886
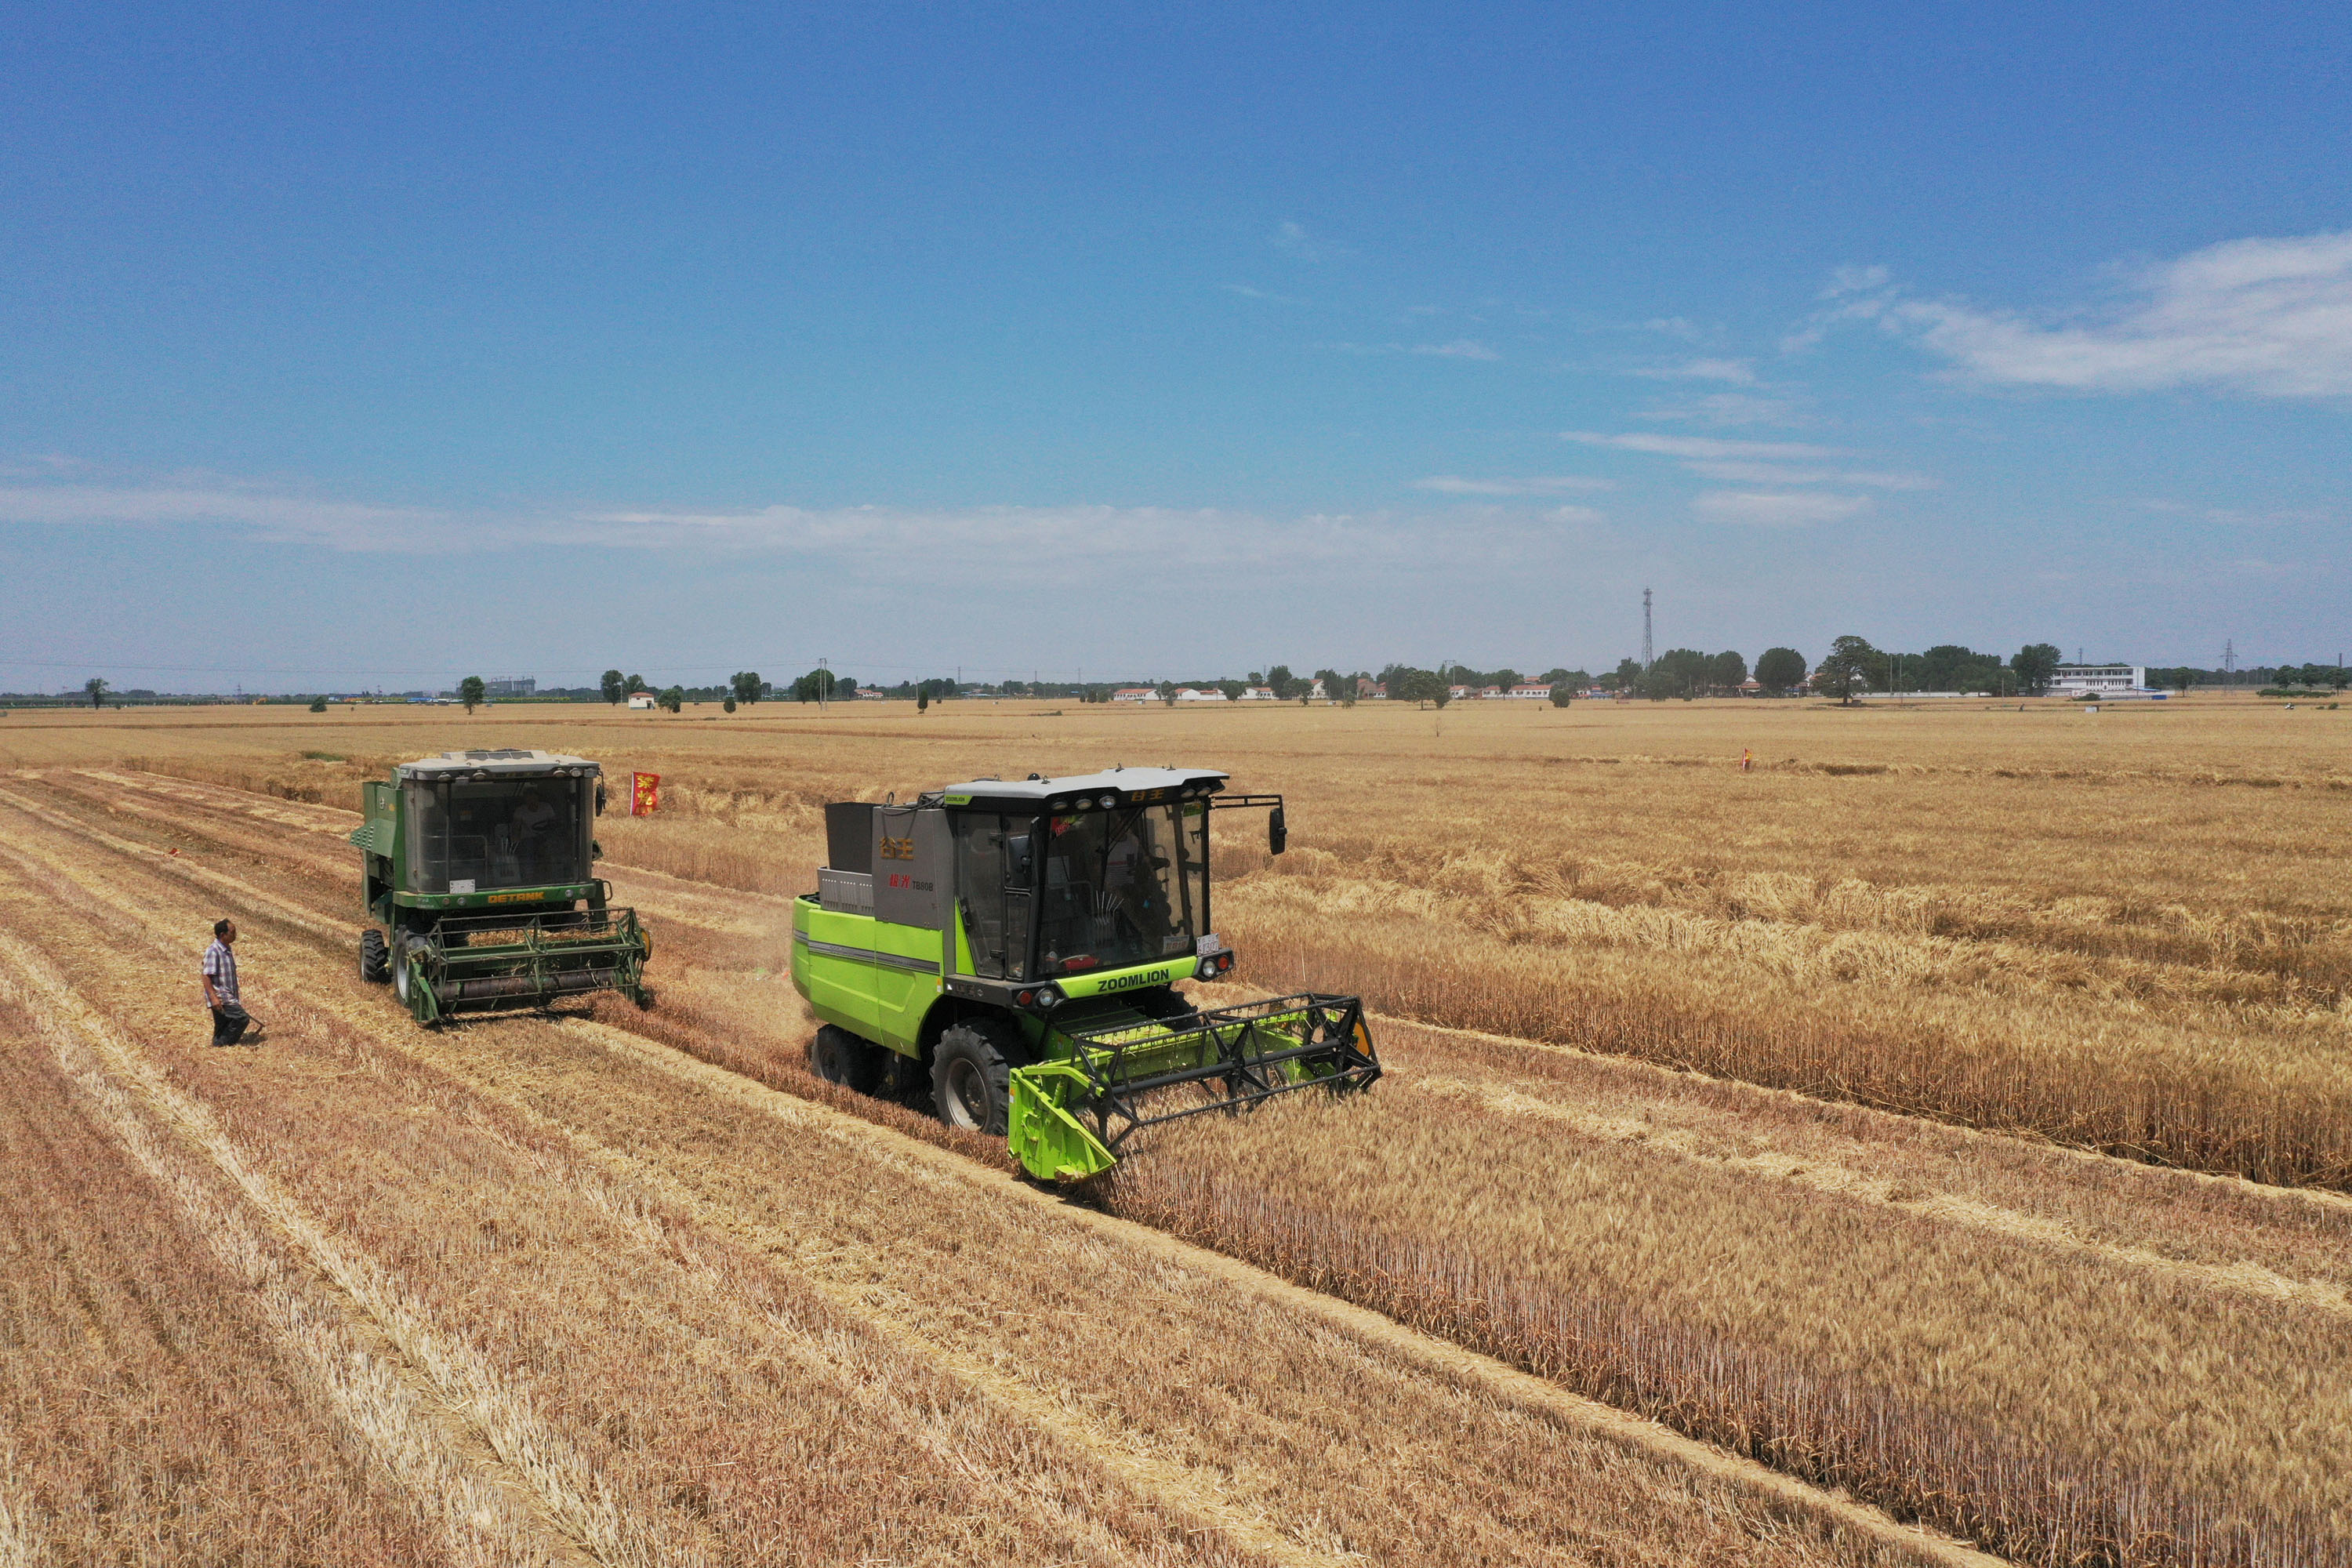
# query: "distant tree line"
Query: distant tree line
1852,667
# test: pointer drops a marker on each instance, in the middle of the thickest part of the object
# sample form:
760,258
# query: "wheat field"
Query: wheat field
1934,1129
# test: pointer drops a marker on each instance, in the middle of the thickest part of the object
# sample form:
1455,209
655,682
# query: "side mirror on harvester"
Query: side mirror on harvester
1017,854
600,798
1278,832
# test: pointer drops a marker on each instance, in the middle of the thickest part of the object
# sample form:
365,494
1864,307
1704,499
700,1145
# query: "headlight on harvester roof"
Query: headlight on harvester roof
1107,801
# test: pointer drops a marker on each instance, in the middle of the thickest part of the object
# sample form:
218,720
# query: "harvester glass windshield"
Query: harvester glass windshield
1121,887
470,836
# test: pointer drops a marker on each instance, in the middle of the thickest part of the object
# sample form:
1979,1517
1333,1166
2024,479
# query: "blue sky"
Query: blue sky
381,345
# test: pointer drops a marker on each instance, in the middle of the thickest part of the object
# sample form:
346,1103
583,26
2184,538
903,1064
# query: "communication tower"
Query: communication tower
1646,659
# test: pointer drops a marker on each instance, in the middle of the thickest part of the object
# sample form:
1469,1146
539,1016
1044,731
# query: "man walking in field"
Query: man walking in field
230,1020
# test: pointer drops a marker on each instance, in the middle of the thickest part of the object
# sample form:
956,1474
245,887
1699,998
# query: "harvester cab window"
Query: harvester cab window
995,869
470,836
1121,887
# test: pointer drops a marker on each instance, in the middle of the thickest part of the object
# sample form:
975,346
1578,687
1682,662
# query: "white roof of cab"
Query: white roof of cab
1126,781
507,761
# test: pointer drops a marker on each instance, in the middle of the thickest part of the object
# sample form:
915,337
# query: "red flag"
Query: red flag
644,794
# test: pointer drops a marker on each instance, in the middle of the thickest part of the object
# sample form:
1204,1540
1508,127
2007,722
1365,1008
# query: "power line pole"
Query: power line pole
1647,659
2229,662
823,684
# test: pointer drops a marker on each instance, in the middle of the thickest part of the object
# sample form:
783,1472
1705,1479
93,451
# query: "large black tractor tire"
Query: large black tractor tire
839,1056
972,1075
375,957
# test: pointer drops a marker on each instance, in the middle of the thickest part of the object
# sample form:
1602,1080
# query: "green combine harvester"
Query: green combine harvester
476,871
1013,946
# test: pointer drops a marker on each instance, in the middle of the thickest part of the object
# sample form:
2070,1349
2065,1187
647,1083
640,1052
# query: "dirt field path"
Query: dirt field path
700,1318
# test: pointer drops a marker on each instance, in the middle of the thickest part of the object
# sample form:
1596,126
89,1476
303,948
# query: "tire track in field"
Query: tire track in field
18,1546
371,1385
1452,1364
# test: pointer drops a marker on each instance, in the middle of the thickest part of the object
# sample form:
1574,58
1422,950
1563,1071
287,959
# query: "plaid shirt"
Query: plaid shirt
220,968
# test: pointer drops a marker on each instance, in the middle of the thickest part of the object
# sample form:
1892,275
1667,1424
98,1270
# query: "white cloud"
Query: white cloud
1702,447
273,516
1460,348
1731,408
2271,318
1750,473
1574,514
1778,509
1532,485
1292,240
943,544
1759,463
1848,280
1737,372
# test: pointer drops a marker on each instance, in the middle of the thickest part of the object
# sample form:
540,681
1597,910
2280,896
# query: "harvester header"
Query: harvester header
479,875
1015,944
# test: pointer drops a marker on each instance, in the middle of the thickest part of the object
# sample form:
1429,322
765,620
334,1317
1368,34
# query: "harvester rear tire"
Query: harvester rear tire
375,957
839,1056
971,1079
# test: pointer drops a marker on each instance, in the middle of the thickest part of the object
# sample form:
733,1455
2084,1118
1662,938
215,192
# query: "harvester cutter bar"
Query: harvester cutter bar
493,958
1127,1066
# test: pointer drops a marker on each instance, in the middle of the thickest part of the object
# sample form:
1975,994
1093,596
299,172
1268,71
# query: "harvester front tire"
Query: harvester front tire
839,1056
375,957
971,1081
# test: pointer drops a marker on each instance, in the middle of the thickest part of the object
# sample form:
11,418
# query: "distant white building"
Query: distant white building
1257,694
2099,679
1135,694
641,700
1368,690
1195,694
1529,691
511,685
1317,692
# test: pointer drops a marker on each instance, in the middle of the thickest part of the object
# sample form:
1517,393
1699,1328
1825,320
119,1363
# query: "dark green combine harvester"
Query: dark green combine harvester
1014,946
477,873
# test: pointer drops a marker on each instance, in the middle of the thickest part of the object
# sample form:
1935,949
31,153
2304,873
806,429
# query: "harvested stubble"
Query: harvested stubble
148,1410
628,1259
673,1401
2056,1410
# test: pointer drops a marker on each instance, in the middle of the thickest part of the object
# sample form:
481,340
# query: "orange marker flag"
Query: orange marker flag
1744,755
644,794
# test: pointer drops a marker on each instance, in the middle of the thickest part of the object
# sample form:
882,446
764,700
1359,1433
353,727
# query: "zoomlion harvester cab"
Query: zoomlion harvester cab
1015,944
477,871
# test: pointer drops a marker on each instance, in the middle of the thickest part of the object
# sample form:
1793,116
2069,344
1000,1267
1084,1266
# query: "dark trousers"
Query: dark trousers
229,1025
